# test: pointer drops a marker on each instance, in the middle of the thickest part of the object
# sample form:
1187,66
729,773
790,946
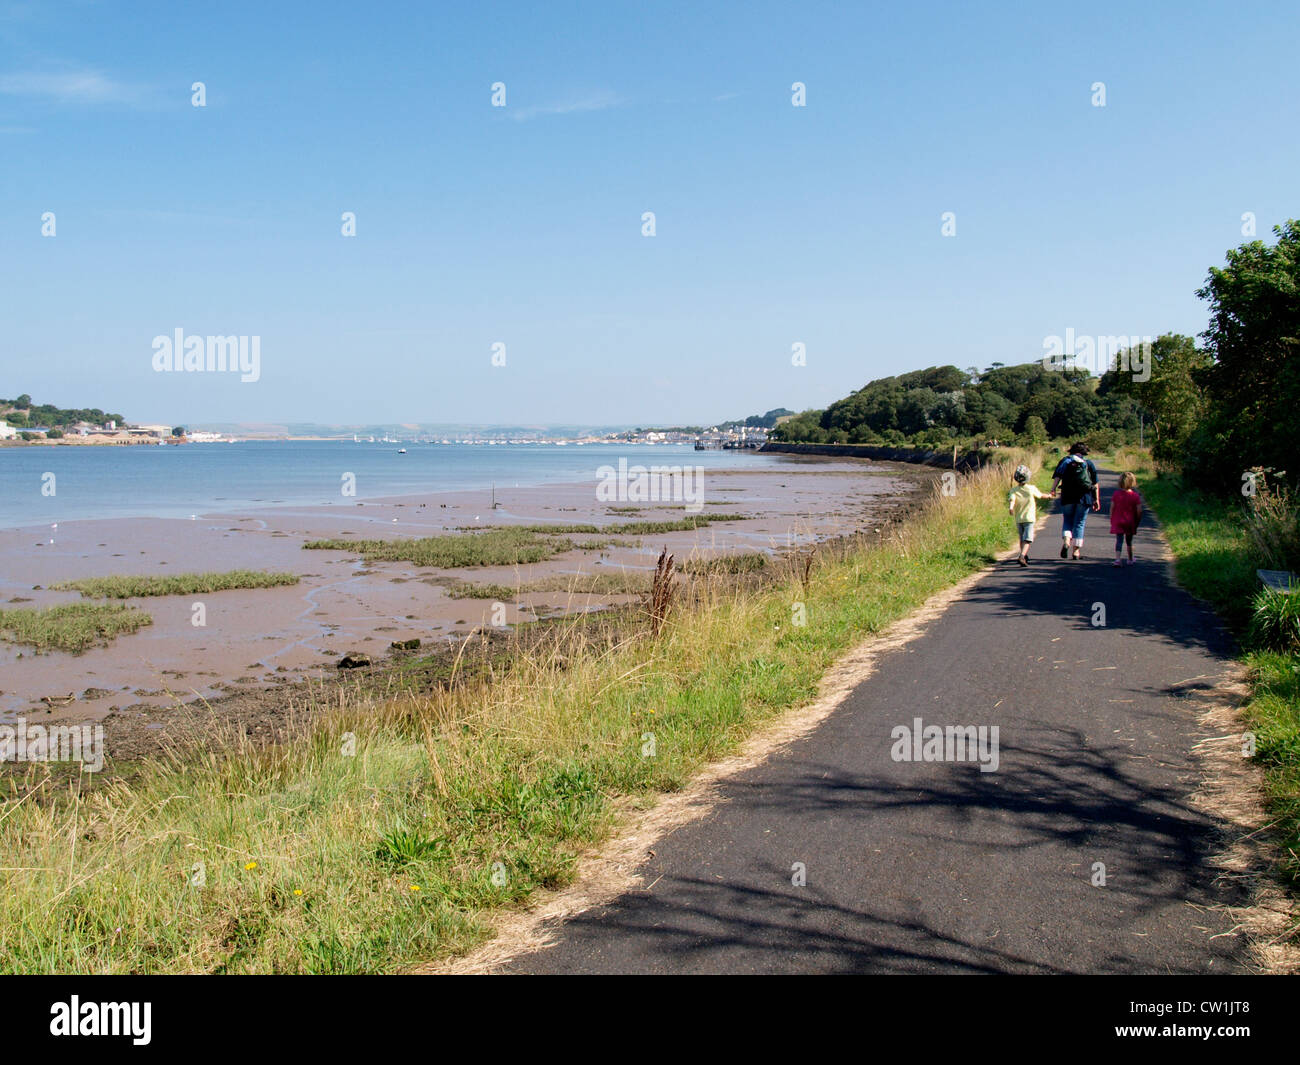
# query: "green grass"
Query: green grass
505,546
1216,561
176,584
1275,621
71,627
458,801
746,562
654,528
606,582
468,590
633,528
1274,715
538,528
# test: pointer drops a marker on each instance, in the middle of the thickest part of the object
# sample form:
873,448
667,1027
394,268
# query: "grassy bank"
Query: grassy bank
386,831
1216,561
175,584
71,627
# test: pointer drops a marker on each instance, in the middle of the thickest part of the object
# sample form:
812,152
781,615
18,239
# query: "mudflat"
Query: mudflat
263,639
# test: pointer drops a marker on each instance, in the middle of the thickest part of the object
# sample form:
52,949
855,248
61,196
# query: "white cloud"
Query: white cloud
76,86
598,101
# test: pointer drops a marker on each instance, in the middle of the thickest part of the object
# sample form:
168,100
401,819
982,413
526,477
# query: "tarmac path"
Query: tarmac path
937,866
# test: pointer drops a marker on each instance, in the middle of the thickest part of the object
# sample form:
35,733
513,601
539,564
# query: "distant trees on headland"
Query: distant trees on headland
1212,411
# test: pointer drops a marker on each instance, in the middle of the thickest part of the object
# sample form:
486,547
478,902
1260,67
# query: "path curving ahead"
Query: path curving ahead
939,867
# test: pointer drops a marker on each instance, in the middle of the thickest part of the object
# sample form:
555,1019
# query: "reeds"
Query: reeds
662,590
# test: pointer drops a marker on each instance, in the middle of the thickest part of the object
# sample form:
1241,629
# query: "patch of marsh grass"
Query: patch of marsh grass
499,546
176,584
73,627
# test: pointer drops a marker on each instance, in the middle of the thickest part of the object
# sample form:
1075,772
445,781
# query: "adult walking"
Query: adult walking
1075,478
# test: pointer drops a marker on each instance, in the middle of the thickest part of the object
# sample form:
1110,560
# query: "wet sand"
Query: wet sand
260,638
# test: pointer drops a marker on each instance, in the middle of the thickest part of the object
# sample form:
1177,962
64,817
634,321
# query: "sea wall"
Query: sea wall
944,459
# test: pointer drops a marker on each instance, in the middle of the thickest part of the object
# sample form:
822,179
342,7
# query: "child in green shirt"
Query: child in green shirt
1022,503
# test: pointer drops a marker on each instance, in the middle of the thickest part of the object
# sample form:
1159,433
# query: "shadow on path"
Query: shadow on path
1080,853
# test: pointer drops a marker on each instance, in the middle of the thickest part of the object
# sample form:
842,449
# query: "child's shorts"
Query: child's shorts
1026,529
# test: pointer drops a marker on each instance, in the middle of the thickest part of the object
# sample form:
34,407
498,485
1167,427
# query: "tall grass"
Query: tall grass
1275,622
1272,522
385,830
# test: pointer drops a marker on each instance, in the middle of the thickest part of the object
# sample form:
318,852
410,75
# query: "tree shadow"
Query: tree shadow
938,867
1144,599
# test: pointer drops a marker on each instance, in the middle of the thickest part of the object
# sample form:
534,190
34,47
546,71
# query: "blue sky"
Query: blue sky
522,225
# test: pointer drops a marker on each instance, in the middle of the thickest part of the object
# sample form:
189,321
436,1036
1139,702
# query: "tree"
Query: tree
1252,390
178,430
24,401
1171,398
1035,430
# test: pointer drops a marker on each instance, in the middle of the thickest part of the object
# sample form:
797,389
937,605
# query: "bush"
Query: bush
1275,623
1272,522
1103,439
934,439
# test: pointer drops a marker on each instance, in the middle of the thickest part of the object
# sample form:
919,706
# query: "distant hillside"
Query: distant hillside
759,421
22,413
941,405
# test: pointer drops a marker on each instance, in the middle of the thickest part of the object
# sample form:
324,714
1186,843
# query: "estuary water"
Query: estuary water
177,481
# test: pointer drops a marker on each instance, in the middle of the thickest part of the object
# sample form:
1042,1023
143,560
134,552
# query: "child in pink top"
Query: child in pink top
1125,513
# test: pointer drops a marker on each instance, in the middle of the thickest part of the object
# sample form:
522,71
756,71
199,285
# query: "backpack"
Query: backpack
1076,478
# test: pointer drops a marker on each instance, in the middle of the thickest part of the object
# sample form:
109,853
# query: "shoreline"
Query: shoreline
269,500
264,639
553,737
